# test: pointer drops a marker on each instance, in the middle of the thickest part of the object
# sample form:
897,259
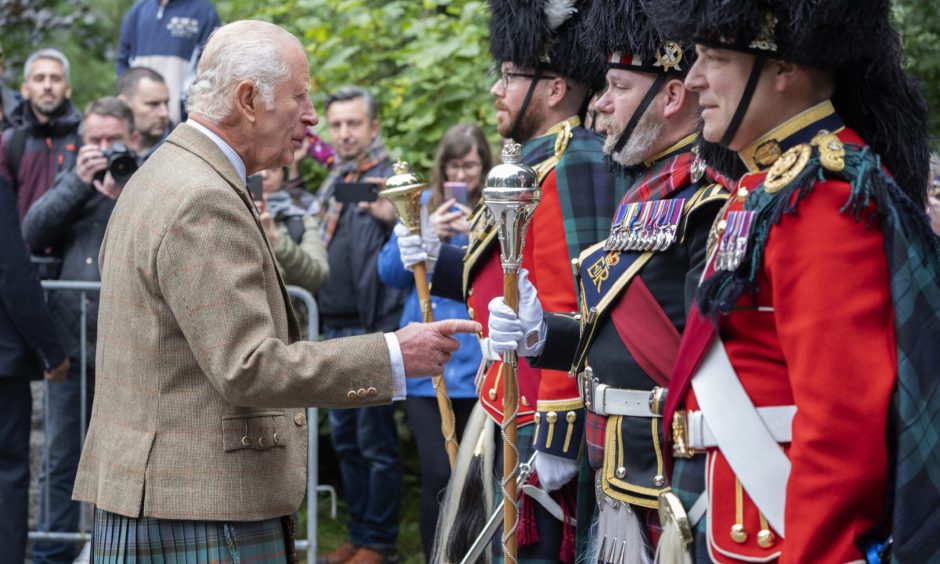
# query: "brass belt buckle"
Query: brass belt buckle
680,436
657,400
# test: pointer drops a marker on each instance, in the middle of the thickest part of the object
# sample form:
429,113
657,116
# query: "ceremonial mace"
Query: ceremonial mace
511,195
404,191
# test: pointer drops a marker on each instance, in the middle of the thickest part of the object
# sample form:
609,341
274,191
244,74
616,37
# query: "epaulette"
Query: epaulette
792,177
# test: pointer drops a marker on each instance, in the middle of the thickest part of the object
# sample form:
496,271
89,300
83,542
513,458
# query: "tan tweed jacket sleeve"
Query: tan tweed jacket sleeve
196,372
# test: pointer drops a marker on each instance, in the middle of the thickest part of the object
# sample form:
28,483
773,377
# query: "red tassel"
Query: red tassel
567,498
528,531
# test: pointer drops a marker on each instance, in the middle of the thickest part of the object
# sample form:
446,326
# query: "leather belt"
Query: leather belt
691,429
605,400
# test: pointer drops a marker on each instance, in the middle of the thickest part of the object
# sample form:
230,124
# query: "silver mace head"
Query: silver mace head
511,194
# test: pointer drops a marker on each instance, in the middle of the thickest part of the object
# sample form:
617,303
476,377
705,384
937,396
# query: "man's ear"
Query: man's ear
675,93
24,91
246,100
558,89
785,73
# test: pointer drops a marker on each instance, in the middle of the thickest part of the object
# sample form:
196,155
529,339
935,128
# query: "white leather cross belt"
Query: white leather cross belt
777,419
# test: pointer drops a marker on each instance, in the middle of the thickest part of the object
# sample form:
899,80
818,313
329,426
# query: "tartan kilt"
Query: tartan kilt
688,483
124,540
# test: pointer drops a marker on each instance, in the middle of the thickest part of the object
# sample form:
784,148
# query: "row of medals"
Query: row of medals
733,244
645,226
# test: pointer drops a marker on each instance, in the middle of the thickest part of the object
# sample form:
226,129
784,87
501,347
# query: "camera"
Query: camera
122,164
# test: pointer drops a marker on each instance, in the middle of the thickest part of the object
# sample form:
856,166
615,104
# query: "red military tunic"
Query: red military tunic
545,255
817,333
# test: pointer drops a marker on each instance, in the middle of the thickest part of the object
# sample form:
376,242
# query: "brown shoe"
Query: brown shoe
369,556
341,555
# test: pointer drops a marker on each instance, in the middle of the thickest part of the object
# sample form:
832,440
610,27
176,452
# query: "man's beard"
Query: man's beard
528,126
636,149
48,109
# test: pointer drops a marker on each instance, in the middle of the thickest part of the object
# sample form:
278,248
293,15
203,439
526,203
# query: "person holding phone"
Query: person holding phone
462,161
354,301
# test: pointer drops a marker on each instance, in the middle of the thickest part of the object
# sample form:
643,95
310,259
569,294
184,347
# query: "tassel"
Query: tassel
468,501
671,549
567,498
528,530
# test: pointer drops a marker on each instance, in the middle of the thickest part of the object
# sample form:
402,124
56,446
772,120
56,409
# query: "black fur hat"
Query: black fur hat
854,40
621,32
545,34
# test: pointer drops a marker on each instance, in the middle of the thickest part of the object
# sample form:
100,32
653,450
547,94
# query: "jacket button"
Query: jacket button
621,473
361,392
525,402
300,419
492,394
88,260
372,392
351,395
659,480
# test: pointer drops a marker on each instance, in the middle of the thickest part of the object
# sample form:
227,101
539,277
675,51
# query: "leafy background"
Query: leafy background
425,60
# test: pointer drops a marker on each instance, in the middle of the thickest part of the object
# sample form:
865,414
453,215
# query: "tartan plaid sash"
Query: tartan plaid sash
587,192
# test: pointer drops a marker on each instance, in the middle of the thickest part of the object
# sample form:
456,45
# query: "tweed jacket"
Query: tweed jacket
199,381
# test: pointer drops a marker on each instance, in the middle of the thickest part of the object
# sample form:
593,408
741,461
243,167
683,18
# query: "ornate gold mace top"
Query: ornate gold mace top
404,191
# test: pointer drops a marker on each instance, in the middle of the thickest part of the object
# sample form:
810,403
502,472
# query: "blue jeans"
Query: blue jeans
366,441
16,407
63,449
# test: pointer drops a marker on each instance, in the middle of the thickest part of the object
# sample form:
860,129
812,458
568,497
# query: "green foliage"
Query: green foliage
425,61
86,31
919,23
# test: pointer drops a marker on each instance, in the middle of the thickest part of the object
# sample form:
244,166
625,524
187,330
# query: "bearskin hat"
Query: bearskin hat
544,34
621,33
853,40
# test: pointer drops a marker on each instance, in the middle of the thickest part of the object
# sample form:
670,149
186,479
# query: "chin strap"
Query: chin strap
640,110
525,105
745,101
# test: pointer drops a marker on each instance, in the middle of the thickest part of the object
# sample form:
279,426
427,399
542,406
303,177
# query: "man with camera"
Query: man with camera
70,220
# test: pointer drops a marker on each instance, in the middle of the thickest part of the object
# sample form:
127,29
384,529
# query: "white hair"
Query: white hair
240,51
51,54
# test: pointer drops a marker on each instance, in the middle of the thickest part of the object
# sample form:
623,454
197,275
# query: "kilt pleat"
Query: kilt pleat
117,539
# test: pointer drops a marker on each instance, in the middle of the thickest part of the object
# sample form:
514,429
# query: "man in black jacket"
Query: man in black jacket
354,302
44,140
71,218
28,346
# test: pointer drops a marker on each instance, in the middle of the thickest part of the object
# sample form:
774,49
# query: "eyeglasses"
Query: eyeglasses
506,77
453,167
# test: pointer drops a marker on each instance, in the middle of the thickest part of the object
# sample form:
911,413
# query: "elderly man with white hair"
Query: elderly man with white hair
197,443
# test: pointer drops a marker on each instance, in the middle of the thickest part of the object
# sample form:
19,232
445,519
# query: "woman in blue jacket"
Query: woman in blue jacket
462,161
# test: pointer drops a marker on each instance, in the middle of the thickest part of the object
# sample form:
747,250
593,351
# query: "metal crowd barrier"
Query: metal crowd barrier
308,545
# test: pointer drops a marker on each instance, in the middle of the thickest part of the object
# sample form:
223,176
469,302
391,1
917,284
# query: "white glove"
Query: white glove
554,471
523,332
418,248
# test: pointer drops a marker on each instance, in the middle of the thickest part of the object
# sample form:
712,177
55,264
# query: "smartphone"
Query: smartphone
352,192
255,187
457,191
